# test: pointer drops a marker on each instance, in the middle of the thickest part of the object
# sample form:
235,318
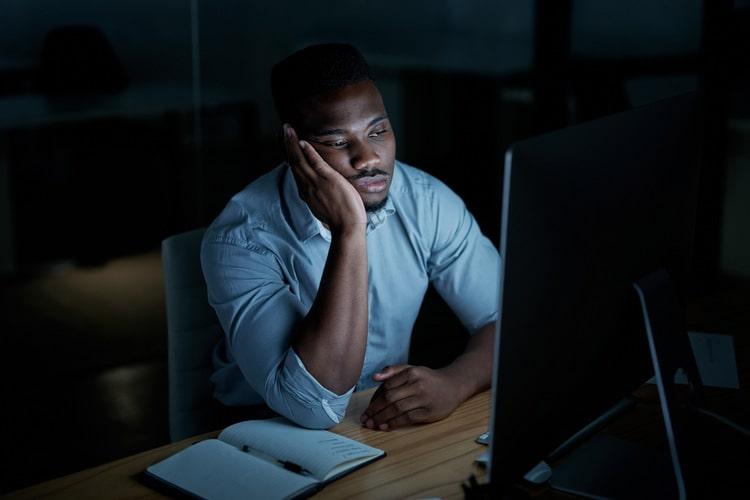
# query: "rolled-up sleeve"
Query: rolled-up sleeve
258,312
464,266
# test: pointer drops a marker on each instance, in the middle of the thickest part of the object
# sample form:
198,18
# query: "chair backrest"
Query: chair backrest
193,331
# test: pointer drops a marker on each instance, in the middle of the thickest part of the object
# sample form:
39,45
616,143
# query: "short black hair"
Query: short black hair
313,71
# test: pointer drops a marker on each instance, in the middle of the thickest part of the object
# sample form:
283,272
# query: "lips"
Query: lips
371,184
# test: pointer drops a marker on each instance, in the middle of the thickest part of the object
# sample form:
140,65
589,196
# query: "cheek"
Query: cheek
336,159
388,149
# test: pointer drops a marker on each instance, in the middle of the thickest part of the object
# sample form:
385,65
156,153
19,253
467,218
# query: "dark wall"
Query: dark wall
192,121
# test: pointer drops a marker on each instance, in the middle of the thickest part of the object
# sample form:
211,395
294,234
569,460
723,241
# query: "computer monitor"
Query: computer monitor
587,211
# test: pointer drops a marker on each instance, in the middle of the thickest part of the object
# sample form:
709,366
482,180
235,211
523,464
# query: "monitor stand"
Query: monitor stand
609,467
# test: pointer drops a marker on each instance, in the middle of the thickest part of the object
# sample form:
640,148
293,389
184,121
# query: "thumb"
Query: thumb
389,371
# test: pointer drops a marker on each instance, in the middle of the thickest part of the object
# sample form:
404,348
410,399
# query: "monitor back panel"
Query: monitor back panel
587,211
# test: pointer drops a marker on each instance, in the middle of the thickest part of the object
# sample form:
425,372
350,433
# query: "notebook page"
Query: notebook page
211,469
320,452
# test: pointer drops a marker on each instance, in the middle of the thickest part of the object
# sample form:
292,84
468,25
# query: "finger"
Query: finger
316,162
405,376
366,414
389,371
294,154
390,410
293,151
404,406
416,416
395,376
388,398
377,402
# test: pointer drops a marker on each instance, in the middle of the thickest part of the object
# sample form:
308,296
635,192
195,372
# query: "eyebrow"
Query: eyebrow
337,131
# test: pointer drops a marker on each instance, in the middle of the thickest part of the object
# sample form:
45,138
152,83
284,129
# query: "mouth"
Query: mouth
371,184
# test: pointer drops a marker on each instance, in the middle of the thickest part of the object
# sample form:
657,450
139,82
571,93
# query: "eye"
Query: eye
341,143
378,133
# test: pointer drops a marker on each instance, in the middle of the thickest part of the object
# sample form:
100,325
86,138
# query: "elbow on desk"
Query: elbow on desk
308,414
293,392
304,405
319,422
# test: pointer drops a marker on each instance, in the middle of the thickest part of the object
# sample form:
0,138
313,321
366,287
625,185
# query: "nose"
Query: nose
364,157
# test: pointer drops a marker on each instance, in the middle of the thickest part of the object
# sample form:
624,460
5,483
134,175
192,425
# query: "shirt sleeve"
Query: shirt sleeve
464,266
258,312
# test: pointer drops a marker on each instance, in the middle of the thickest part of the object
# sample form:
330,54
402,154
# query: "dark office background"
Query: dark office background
122,123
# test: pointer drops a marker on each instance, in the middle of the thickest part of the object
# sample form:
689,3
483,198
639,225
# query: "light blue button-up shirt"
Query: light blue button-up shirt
263,259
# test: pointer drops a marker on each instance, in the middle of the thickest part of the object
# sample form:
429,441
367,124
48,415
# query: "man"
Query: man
317,270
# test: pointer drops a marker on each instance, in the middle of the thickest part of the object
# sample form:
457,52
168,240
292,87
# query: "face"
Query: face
350,130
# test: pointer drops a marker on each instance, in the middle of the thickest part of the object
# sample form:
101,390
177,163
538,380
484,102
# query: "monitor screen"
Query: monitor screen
587,211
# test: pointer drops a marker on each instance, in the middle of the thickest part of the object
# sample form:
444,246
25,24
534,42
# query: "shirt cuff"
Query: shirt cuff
334,405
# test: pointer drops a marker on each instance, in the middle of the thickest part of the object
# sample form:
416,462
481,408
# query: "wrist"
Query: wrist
461,385
349,231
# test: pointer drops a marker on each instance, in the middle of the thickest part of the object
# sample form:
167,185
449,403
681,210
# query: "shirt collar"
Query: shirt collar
306,225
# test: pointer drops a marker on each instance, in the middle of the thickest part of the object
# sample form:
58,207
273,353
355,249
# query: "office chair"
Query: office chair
192,332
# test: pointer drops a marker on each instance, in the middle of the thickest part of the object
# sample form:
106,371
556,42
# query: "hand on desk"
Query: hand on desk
409,395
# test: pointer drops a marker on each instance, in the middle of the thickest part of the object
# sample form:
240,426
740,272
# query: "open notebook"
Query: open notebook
263,459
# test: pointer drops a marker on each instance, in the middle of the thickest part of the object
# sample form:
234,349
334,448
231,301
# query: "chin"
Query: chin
374,206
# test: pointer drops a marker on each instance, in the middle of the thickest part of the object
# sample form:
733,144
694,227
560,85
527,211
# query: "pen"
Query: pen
290,466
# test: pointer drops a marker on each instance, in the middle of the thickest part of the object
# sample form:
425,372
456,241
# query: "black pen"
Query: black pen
290,466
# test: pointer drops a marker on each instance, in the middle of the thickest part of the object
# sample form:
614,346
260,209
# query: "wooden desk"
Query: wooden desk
422,461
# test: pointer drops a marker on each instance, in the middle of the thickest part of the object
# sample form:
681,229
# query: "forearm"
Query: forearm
331,339
472,370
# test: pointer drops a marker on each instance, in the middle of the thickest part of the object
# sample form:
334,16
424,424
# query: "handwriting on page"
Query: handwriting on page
340,448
